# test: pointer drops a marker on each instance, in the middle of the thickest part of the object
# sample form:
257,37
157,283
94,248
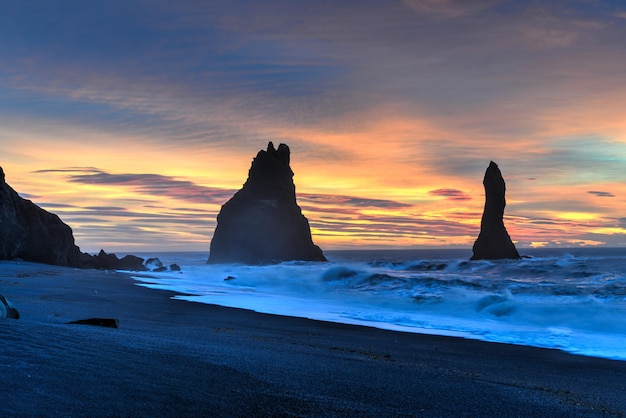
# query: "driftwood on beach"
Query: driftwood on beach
7,310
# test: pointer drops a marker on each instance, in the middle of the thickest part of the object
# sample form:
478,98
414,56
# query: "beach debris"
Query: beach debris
100,322
7,310
494,241
262,223
229,278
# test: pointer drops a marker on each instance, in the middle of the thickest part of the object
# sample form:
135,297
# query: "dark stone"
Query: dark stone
100,322
31,233
7,310
160,269
154,264
262,223
104,261
174,267
494,241
131,262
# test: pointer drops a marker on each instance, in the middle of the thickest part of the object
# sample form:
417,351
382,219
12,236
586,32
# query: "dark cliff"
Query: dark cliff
31,233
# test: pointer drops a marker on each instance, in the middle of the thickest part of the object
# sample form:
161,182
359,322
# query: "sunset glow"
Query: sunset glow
135,123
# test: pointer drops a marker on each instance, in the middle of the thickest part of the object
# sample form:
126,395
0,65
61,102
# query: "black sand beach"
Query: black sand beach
175,358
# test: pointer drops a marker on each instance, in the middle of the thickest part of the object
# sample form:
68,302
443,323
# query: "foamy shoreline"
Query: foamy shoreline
554,300
175,358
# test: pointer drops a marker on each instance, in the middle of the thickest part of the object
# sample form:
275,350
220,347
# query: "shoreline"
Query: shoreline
176,358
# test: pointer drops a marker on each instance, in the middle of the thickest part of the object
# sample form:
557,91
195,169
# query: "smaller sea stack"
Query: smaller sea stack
494,242
262,223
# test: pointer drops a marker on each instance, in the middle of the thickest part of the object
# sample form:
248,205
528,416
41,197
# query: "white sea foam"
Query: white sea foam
571,301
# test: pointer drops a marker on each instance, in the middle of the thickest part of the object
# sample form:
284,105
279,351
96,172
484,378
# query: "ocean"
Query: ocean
569,299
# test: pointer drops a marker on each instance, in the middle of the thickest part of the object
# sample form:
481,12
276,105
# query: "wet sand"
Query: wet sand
176,358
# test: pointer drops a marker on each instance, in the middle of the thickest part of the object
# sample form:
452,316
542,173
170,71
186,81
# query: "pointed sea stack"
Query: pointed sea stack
31,233
494,242
262,223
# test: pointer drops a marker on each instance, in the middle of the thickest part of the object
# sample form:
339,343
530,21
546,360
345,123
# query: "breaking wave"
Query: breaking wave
572,300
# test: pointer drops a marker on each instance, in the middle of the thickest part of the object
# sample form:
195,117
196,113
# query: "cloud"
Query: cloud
28,196
388,227
359,202
449,8
450,194
150,184
159,185
601,194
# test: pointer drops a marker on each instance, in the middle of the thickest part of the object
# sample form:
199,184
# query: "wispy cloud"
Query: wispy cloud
450,194
149,184
350,201
449,8
600,193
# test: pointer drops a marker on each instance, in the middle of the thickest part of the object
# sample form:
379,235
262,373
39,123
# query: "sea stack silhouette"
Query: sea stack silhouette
494,242
262,223
31,233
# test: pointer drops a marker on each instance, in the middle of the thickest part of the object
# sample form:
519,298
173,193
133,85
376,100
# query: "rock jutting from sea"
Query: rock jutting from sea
262,223
494,241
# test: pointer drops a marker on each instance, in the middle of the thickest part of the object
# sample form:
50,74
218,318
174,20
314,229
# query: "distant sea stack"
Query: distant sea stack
30,233
262,223
494,242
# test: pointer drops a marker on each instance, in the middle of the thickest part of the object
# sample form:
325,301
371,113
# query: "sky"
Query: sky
135,120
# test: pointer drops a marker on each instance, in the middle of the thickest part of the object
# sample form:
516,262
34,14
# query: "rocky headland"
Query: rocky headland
494,241
30,233
262,223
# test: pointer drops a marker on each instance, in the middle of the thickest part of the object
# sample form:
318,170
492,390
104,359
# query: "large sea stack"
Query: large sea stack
262,223
30,233
494,242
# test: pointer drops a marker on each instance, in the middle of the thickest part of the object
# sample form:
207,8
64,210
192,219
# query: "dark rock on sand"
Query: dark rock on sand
104,261
262,223
131,262
174,267
100,322
31,233
494,241
7,310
